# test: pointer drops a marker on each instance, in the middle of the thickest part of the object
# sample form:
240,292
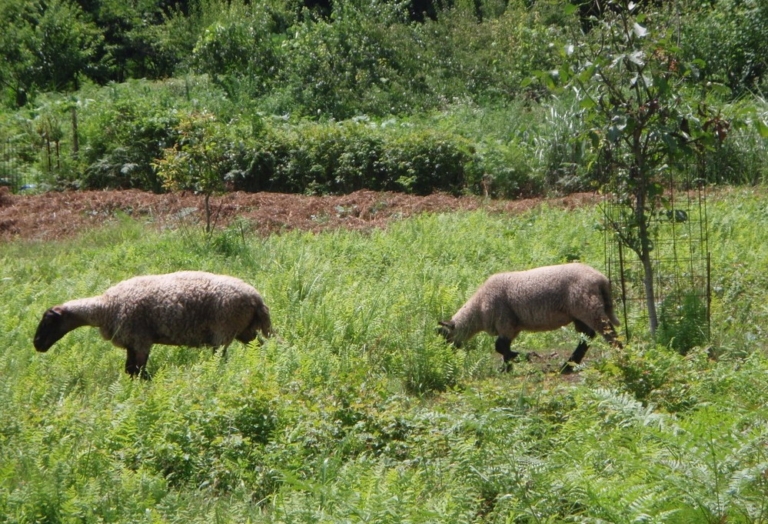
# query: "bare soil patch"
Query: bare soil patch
52,216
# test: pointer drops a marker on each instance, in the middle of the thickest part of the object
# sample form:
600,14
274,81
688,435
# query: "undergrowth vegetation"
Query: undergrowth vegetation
357,411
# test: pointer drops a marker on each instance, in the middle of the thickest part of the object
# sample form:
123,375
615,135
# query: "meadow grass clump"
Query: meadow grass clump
357,409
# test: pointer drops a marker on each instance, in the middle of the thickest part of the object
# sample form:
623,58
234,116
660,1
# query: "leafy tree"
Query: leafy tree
46,46
17,45
200,159
142,38
245,42
731,36
643,120
361,61
67,45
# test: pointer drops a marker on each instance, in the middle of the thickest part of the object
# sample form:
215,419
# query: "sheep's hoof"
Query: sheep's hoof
568,368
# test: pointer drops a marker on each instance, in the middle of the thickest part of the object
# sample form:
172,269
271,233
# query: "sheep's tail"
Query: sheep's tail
605,291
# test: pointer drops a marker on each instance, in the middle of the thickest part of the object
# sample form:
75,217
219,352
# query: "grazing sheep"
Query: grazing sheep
540,299
188,308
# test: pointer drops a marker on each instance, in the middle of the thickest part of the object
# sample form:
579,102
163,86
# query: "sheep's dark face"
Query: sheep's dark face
448,330
52,327
266,322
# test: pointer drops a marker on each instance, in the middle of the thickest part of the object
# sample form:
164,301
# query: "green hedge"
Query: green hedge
323,158
339,158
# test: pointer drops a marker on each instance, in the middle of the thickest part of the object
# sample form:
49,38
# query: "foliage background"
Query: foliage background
93,91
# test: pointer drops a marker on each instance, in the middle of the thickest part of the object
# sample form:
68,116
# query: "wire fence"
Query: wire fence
13,170
679,251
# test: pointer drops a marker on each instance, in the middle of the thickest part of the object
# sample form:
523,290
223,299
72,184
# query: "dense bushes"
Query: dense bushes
729,37
125,131
357,87
347,156
499,151
346,57
355,59
243,44
121,155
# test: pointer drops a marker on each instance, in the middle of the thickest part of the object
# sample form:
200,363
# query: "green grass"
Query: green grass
356,411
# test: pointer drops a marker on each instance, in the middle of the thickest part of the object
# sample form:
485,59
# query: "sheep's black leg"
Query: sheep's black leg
502,346
136,362
581,349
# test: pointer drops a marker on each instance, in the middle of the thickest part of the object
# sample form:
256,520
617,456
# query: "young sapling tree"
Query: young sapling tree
644,116
199,161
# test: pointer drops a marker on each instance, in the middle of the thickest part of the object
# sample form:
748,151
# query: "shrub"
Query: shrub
486,60
344,157
200,160
243,43
122,145
502,171
729,36
360,63
562,153
424,161
683,322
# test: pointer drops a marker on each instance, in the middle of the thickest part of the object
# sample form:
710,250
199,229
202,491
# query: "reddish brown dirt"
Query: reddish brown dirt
52,216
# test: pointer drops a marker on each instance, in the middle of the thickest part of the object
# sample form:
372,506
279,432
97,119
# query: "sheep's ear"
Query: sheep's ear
56,310
53,314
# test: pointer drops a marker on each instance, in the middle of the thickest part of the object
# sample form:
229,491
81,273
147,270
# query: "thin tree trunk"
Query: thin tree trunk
645,254
75,140
650,299
207,213
48,151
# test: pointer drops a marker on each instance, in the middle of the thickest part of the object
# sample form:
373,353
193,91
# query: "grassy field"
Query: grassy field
357,411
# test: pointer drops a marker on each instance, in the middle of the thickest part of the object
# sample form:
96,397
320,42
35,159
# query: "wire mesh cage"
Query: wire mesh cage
15,159
10,173
679,258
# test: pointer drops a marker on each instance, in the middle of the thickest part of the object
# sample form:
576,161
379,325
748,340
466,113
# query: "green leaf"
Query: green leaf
719,89
698,62
587,74
762,128
661,83
569,9
594,138
655,190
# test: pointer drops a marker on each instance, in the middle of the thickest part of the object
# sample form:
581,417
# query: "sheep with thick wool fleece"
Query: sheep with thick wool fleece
540,299
187,308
